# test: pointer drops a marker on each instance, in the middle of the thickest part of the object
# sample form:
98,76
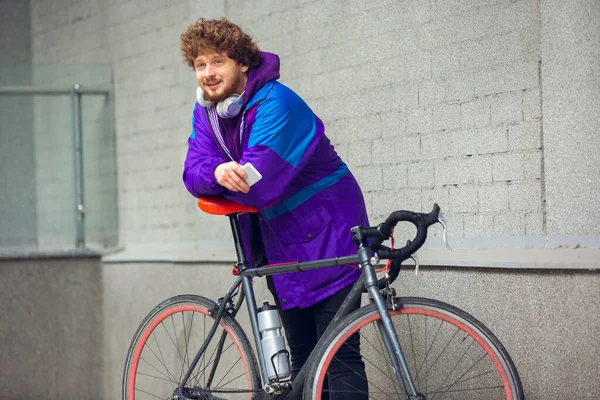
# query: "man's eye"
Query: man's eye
219,62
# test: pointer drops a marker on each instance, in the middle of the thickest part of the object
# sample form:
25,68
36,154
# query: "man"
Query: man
307,198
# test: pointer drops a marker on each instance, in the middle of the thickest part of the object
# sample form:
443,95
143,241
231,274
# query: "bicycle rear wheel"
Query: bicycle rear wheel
167,341
450,355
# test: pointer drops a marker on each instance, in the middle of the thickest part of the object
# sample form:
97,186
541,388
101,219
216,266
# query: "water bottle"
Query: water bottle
272,342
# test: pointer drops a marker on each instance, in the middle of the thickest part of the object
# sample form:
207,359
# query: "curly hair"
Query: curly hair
220,36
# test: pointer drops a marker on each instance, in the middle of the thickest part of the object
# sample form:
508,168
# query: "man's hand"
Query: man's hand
231,176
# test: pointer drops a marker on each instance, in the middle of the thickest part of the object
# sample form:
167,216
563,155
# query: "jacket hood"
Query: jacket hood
266,71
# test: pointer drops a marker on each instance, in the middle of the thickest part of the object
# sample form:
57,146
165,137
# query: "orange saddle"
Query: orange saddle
217,205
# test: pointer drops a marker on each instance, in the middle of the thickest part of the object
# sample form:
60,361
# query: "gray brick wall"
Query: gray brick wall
455,85
427,101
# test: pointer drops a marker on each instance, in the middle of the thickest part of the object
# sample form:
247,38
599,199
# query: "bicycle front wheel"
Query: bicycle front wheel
167,341
449,353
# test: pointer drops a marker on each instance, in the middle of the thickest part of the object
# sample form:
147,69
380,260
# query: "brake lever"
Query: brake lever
415,258
442,221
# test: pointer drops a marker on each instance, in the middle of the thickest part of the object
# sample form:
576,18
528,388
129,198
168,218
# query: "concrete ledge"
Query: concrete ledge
508,252
32,253
185,252
522,258
553,252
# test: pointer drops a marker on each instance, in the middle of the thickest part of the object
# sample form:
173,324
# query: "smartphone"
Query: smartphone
253,175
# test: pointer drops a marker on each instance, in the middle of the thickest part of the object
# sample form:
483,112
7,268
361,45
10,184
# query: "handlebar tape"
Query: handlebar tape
419,220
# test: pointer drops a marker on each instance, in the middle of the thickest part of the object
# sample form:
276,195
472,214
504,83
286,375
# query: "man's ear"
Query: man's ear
245,68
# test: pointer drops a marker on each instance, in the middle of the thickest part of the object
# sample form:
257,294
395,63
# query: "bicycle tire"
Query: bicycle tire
446,378
147,371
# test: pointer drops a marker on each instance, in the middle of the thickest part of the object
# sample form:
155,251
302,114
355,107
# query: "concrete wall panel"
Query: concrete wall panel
570,97
69,323
51,343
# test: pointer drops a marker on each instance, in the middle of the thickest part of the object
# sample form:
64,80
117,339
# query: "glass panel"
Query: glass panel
18,219
37,158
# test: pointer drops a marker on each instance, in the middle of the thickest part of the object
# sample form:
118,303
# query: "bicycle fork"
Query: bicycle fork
386,329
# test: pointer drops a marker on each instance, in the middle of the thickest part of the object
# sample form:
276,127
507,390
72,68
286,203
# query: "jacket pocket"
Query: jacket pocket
303,229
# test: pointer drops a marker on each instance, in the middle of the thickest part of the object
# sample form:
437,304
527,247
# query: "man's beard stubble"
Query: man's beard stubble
228,90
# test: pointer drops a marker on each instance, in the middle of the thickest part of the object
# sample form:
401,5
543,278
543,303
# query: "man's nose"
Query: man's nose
209,71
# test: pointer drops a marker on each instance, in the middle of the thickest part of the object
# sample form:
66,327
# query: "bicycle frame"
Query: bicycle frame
368,281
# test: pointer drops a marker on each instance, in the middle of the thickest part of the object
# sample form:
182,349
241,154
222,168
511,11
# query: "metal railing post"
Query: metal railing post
77,127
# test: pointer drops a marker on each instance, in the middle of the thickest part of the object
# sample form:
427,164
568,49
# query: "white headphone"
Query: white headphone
228,108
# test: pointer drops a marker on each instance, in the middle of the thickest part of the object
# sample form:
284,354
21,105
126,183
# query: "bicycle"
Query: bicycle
423,349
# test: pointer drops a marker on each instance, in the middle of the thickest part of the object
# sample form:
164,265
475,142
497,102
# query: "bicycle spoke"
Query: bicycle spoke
467,371
414,353
172,341
155,377
357,374
162,359
228,371
201,371
156,369
174,344
190,339
465,380
478,389
186,338
464,353
194,379
178,347
390,373
204,355
442,352
228,382
169,375
424,362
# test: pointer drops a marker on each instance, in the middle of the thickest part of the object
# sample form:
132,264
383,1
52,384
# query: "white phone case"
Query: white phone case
253,175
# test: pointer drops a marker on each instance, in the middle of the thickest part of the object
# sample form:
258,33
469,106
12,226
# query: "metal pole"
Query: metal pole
75,186
78,166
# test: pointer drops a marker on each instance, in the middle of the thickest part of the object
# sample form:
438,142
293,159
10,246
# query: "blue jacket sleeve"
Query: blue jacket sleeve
203,156
283,136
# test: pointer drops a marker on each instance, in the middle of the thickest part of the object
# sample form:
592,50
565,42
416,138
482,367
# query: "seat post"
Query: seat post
237,239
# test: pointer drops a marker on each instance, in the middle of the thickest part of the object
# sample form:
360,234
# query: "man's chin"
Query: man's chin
216,98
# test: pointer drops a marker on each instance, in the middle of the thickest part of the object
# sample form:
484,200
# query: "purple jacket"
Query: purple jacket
308,200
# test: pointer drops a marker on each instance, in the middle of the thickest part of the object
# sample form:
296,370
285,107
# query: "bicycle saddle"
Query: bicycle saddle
217,205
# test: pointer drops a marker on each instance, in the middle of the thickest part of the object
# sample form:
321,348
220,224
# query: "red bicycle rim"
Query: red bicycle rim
161,317
417,311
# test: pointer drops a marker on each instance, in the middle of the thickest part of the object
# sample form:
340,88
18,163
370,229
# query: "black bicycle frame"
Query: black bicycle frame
368,281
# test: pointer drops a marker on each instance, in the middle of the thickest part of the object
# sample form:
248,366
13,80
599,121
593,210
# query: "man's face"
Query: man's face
219,76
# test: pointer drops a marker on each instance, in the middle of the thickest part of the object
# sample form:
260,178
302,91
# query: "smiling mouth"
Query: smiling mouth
213,85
